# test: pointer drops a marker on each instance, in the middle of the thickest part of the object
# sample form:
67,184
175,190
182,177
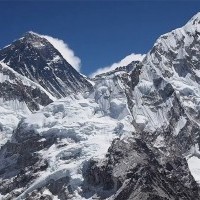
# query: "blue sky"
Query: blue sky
99,32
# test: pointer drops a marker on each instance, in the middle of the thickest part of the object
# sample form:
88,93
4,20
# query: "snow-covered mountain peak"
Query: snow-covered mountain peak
195,20
125,64
36,58
172,63
35,42
180,37
166,92
30,34
35,39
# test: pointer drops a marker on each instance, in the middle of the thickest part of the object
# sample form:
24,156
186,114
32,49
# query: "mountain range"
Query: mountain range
132,133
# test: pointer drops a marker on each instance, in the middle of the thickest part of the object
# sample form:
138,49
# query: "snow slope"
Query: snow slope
83,127
84,132
17,99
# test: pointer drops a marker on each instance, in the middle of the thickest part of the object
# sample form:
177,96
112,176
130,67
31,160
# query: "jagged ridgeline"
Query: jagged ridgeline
129,134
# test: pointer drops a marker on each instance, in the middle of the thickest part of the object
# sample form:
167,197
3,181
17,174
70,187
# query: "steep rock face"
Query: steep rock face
134,170
15,87
36,58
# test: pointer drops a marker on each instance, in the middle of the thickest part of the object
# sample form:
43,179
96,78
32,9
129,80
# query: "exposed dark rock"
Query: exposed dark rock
32,95
20,161
36,58
133,170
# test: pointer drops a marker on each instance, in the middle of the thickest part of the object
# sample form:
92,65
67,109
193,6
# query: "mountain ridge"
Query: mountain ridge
133,135
35,57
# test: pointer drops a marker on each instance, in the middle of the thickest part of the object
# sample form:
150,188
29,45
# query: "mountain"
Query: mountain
127,69
135,170
19,96
34,57
164,102
125,64
33,74
52,144
167,96
134,135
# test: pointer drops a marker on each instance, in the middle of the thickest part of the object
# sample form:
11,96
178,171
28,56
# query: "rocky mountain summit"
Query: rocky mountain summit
33,73
128,134
34,57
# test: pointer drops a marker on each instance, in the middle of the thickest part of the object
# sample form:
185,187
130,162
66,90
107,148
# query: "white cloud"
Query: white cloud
125,61
66,52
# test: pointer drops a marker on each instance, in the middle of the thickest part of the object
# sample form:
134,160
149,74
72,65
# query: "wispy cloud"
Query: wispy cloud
66,52
125,61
